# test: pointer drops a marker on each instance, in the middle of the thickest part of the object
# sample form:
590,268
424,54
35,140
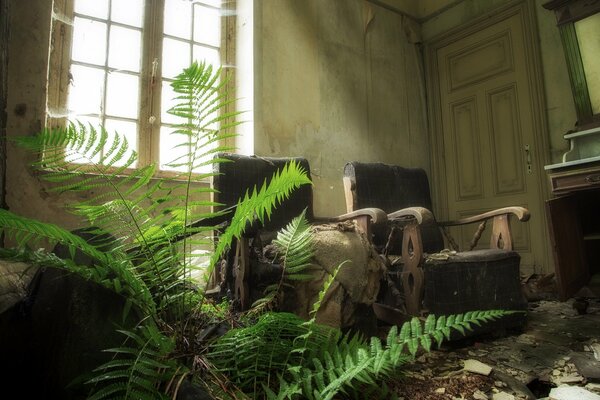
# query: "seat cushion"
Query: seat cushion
474,280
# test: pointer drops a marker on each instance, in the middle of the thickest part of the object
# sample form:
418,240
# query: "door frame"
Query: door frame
525,9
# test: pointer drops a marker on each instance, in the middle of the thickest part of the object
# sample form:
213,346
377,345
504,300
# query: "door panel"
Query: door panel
466,147
487,128
507,170
479,61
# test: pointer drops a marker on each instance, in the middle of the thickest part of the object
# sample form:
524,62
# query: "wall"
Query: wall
337,81
4,34
334,80
26,107
560,108
27,194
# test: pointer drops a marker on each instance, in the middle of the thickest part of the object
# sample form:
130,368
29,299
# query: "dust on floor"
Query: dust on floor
558,351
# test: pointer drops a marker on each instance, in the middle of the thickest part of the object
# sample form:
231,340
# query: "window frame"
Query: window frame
567,13
151,80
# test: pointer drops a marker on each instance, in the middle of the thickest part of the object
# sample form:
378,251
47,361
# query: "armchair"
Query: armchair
433,280
232,179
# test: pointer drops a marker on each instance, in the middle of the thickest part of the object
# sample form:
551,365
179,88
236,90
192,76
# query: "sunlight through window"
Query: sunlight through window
121,69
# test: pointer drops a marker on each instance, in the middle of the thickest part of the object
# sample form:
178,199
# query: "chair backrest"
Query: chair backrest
391,188
242,173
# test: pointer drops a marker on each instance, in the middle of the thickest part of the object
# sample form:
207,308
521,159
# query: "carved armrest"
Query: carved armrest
369,219
420,215
376,215
521,213
501,237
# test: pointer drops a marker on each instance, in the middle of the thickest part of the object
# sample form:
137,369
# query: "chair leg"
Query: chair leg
412,274
242,274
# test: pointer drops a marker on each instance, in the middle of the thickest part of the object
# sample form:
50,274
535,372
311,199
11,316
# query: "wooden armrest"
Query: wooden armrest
371,221
422,215
521,213
377,215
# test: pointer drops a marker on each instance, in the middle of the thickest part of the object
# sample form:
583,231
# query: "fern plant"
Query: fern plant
279,340
358,368
294,247
138,369
291,358
155,223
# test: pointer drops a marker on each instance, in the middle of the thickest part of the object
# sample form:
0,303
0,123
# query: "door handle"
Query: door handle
528,158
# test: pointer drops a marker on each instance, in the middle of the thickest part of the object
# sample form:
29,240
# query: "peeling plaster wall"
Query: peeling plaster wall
338,81
26,107
4,34
26,193
334,81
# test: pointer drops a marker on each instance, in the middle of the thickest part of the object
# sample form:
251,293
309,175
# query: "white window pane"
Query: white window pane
130,12
89,41
208,55
178,18
176,57
122,93
93,8
124,49
75,156
125,129
170,152
207,26
167,101
86,91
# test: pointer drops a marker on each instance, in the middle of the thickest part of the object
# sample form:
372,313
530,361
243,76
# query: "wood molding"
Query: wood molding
541,146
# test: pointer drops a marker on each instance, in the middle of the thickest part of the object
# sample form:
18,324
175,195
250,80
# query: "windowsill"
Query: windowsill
161,174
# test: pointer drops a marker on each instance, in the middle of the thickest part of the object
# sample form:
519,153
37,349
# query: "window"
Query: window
579,26
114,67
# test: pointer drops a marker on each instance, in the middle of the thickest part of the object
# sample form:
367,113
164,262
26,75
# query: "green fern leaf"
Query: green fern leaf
256,206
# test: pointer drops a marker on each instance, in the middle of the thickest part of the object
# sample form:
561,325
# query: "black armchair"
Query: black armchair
442,283
242,173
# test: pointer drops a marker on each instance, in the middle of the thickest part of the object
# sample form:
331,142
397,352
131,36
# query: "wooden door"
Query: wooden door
487,134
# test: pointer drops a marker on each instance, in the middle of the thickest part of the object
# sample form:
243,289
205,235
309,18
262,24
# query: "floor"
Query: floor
556,356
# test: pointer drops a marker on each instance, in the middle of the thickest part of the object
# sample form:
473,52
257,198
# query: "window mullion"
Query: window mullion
60,58
228,57
150,88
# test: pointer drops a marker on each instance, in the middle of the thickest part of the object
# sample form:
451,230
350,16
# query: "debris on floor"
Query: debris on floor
556,357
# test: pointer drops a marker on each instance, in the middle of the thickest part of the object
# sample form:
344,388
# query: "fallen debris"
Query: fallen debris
571,393
477,367
503,396
557,349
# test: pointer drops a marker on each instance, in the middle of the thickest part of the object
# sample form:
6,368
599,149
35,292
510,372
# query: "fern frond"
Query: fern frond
260,204
27,230
416,333
294,245
138,369
111,269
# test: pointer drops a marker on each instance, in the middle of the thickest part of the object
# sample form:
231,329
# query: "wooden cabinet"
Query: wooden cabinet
574,224
584,179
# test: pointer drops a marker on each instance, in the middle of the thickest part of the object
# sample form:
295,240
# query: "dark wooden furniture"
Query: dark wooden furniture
574,223
441,283
242,173
575,182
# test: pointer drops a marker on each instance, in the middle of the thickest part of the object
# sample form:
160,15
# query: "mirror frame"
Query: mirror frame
568,12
